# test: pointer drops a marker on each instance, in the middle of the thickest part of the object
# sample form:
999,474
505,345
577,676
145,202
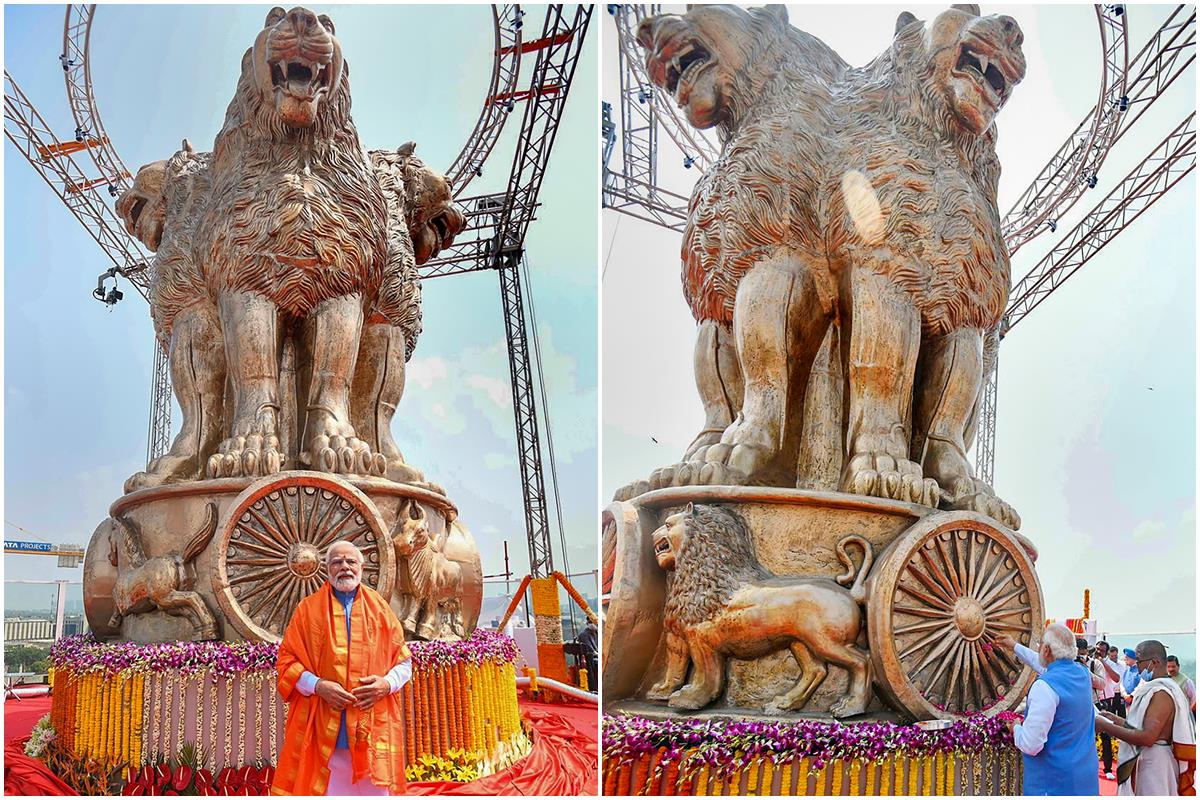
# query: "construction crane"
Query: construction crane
496,222
1127,89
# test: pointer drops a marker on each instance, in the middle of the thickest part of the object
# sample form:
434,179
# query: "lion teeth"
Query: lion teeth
983,62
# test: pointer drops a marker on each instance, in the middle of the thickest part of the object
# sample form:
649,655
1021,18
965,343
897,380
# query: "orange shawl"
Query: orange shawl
315,641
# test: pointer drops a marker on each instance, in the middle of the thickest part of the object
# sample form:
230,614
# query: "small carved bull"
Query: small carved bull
431,582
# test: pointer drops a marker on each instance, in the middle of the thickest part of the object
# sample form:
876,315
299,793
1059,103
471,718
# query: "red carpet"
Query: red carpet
24,775
21,715
563,760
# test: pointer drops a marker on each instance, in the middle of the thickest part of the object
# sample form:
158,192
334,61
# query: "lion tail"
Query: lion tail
857,592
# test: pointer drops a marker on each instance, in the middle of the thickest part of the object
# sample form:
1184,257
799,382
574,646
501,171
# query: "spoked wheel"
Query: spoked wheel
942,592
272,548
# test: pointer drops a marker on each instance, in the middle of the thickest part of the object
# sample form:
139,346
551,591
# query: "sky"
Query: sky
77,375
1095,441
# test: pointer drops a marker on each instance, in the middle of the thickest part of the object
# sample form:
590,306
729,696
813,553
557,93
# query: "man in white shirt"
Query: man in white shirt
1058,735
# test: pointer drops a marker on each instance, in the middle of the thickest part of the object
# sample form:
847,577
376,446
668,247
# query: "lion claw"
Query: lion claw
880,475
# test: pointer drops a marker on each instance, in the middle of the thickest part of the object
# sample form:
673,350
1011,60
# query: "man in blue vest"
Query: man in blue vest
1058,735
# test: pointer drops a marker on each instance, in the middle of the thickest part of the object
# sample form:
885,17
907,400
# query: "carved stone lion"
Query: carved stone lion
862,199
722,603
286,269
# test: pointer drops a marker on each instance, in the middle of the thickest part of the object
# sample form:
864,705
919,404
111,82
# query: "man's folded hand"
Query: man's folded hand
373,688
333,694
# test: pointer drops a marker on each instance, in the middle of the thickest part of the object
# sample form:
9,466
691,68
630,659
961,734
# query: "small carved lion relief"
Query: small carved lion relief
721,604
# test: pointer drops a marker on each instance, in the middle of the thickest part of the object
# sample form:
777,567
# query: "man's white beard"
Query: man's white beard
345,583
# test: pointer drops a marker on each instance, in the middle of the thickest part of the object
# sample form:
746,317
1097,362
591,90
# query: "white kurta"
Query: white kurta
1157,770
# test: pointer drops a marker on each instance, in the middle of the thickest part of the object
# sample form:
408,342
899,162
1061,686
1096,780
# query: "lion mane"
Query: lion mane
797,122
717,559
293,241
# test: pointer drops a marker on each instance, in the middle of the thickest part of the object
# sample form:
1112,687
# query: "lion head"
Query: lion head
433,221
716,60
709,553
143,206
970,63
297,63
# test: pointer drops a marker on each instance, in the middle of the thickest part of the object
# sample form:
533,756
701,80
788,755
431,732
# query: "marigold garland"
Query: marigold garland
461,704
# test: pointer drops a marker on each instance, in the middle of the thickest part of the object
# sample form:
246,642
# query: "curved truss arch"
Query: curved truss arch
1073,168
694,144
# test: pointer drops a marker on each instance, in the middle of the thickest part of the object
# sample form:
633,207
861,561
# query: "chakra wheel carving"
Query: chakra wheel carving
272,548
942,592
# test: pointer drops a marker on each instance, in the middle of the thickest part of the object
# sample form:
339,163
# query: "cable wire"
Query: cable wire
541,376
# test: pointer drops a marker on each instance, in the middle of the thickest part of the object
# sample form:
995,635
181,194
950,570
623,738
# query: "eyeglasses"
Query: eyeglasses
337,562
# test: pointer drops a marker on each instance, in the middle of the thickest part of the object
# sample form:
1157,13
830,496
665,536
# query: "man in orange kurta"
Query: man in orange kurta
341,665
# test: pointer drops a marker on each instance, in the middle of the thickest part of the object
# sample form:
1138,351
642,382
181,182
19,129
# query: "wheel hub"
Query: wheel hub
969,617
303,559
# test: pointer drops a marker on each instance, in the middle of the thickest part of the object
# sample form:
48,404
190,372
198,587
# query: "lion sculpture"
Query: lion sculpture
722,603
856,199
286,270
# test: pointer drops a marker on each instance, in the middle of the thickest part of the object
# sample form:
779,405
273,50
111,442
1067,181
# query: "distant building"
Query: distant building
28,630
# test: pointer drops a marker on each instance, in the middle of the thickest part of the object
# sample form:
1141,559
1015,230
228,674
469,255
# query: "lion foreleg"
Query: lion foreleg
881,360
953,372
708,677
378,385
332,332
250,324
197,361
675,671
779,323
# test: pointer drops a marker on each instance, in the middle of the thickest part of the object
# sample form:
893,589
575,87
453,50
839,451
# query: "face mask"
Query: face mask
1146,675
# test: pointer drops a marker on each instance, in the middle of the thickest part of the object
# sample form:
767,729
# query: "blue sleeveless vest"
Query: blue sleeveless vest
1067,764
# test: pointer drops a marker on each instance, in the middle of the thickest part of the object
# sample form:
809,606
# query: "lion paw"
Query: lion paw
345,455
778,706
631,490
659,691
975,495
880,475
253,455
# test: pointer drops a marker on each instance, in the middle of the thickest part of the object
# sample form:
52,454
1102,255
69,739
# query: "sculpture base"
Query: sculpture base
132,706
230,558
939,587
645,758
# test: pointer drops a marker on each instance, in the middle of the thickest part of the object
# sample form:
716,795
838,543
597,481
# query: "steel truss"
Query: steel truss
1073,168
1165,56
496,223
1168,164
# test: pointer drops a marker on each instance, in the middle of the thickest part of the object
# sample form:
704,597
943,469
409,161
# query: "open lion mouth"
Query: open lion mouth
298,77
662,545
686,64
988,68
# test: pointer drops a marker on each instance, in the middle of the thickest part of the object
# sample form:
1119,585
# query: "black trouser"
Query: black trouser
1116,706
